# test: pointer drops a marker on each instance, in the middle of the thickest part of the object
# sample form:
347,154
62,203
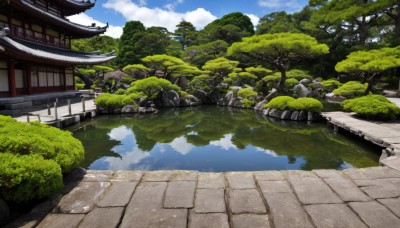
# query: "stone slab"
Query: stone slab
246,201
392,162
147,197
269,175
327,173
393,205
211,180
118,195
173,218
356,174
208,221
210,201
346,189
155,176
82,198
127,176
381,172
240,180
249,220
318,193
184,176
375,214
103,217
96,176
61,220
180,194
333,215
286,210
274,186
380,188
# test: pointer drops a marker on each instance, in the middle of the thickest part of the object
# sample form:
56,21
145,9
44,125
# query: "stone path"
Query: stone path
367,197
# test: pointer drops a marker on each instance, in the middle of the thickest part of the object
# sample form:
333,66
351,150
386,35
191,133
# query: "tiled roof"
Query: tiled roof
45,53
71,7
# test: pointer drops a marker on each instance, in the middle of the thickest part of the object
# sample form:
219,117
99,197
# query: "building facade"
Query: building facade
35,45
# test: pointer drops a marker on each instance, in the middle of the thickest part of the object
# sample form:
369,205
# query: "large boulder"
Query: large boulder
201,95
129,109
295,115
227,99
260,105
301,90
275,113
286,115
303,115
213,97
168,98
305,81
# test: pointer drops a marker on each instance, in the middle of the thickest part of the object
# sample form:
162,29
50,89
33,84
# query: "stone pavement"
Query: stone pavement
367,197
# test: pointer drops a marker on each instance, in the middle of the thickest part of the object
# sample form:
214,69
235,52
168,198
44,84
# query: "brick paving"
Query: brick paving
367,197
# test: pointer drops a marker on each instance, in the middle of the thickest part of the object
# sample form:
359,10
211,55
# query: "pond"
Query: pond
217,139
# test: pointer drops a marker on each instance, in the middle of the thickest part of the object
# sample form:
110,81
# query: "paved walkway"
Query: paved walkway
62,112
366,197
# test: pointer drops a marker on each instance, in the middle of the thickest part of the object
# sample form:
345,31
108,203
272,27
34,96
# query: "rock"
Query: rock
305,81
146,110
201,95
169,98
334,98
286,115
260,105
117,110
227,99
295,115
212,98
301,90
303,115
317,84
129,109
4,211
266,111
275,113
314,116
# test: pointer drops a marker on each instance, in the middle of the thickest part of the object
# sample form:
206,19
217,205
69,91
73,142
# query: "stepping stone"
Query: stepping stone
82,198
269,175
210,201
180,194
375,214
274,186
246,201
155,176
174,218
184,176
211,180
392,162
240,180
249,220
97,176
209,221
127,176
392,204
147,197
61,220
286,210
103,217
118,195
333,215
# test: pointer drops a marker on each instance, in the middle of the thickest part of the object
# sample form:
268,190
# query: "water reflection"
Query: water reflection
212,138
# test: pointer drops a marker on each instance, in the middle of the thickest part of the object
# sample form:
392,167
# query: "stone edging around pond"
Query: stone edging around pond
293,115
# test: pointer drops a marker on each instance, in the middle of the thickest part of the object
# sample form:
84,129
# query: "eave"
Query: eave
71,7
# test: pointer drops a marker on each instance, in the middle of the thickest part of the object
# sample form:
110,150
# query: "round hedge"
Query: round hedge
351,89
375,107
301,104
279,103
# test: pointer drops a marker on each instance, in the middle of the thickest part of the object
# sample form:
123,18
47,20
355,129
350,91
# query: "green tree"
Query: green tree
276,22
154,41
151,86
165,63
220,68
186,32
279,50
370,64
137,70
129,52
200,54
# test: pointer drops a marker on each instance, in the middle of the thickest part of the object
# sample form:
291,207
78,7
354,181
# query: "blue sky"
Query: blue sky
168,13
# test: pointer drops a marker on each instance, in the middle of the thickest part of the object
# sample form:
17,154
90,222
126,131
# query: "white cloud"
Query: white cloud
159,17
225,142
181,145
254,19
84,19
269,152
286,5
119,133
171,6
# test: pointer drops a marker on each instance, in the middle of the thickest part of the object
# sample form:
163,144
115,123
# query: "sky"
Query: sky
168,13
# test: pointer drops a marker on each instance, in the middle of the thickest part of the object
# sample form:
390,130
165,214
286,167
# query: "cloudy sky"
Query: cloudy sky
168,13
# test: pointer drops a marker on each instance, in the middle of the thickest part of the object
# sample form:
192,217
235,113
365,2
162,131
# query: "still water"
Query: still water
211,138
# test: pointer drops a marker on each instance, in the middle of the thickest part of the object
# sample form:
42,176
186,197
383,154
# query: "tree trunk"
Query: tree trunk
370,82
363,31
281,82
88,82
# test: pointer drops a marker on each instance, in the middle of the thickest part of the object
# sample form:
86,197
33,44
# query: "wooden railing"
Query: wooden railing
32,36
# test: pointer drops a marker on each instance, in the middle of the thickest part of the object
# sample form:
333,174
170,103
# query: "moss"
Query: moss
374,107
120,91
305,104
279,103
351,89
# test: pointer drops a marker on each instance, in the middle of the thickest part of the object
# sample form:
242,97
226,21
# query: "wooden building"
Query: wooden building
35,45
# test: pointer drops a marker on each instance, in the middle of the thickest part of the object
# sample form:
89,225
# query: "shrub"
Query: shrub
306,104
79,86
152,86
248,103
351,89
202,82
372,107
120,91
331,84
279,103
291,82
27,177
36,138
132,99
110,102
248,93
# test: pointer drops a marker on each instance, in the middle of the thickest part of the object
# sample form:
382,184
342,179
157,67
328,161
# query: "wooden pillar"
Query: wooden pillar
29,78
65,79
11,79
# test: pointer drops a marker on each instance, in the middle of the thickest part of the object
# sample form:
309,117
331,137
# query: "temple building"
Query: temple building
35,46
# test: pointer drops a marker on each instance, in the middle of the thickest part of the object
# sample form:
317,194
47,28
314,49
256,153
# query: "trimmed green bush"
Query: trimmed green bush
351,89
79,86
110,102
36,138
279,103
375,107
291,82
152,86
306,104
28,177
132,99
247,103
331,84
247,93
120,91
